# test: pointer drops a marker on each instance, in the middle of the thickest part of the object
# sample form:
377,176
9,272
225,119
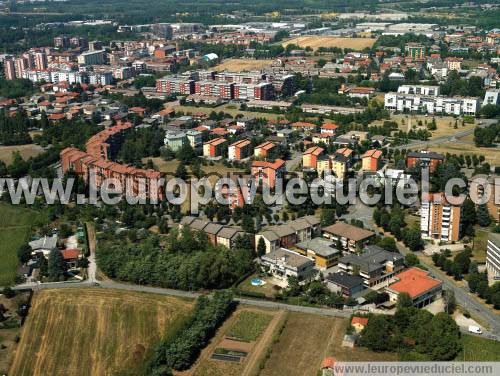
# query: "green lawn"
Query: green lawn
480,242
249,325
479,349
15,226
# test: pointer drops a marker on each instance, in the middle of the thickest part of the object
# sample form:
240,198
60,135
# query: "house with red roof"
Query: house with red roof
418,284
310,157
268,172
263,150
71,257
372,160
359,323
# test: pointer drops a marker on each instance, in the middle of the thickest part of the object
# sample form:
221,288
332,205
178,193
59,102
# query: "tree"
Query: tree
412,238
327,217
248,224
24,253
483,216
56,266
388,243
411,260
468,216
442,340
181,172
186,154
450,302
261,247
8,292
404,300
375,335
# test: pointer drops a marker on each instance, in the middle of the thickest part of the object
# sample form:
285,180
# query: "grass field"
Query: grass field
240,65
227,109
491,155
315,42
26,152
480,242
15,226
249,325
477,349
307,339
92,331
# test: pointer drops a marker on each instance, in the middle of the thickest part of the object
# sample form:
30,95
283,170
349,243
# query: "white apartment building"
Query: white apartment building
419,90
492,97
432,104
92,57
493,256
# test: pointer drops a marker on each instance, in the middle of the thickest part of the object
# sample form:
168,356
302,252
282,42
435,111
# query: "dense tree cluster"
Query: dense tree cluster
15,88
486,136
141,143
456,267
181,349
14,130
185,260
414,333
393,221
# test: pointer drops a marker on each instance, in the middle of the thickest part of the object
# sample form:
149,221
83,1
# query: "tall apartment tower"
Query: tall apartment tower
440,219
41,61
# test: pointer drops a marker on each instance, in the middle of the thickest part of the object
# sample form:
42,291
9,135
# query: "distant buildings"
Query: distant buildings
415,51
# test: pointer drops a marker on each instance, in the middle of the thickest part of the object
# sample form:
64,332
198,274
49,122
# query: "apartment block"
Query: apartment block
92,57
310,157
171,85
493,257
432,104
263,150
239,150
440,219
260,91
223,90
214,148
268,172
423,159
372,160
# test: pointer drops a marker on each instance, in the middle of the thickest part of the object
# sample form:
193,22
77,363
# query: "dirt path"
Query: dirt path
262,344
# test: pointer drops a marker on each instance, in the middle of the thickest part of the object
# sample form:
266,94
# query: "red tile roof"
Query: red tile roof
70,254
359,320
415,282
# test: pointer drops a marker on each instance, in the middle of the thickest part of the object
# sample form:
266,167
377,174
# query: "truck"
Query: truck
475,329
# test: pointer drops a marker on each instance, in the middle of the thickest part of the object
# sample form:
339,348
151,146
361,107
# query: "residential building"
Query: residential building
351,238
92,57
174,140
173,85
9,67
195,138
432,104
268,172
345,284
440,219
283,263
214,148
423,159
260,91
239,150
372,161
454,63
323,165
415,51
359,323
492,97
418,284
339,165
263,150
432,91
321,250
310,157
289,234
375,265
493,257
44,245
224,90
329,128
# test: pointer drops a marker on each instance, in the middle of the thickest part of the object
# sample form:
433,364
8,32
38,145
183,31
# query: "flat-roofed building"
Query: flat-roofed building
351,238
493,257
283,263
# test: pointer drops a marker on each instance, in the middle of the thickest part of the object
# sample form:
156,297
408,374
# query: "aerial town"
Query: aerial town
248,189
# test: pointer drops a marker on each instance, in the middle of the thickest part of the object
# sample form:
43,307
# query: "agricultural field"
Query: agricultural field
241,65
477,349
93,331
491,155
240,345
307,339
26,151
315,41
15,227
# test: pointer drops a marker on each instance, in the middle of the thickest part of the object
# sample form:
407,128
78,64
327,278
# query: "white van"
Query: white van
475,329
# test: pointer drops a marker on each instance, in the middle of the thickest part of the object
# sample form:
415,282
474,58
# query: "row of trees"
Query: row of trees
458,266
414,333
186,260
478,283
180,349
14,130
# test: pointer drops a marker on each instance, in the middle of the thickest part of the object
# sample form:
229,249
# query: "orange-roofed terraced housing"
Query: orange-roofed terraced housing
418,284
101,149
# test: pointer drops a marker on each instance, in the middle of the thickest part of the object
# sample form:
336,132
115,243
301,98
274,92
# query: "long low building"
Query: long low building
432,104
418,284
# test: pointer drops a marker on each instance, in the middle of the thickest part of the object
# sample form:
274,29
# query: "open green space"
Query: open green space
249,325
